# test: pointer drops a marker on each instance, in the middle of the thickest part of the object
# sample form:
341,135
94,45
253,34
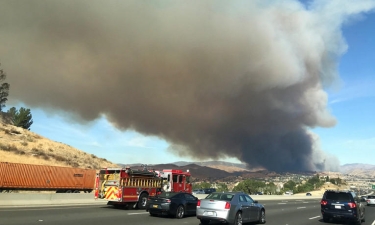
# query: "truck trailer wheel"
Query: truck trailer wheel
142,201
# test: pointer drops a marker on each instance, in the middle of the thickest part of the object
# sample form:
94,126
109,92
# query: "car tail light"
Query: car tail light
167,200
199,203
352,205
227,205
323,202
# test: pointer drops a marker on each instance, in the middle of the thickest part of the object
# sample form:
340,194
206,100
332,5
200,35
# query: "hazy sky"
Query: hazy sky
282,85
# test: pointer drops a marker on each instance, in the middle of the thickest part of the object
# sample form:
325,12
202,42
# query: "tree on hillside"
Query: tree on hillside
202,185
250,186
289,186
222,187
4,90
270,188
21,118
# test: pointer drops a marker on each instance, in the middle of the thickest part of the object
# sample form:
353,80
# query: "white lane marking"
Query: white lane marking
304,202
301,207
314,217
373,223
281,203
137,213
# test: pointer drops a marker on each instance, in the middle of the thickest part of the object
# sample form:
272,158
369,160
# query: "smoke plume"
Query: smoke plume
243,79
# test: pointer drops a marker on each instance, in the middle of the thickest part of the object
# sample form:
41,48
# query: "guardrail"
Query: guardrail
273,197
35,199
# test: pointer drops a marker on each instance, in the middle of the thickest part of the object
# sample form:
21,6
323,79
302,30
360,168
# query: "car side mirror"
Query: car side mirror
255,201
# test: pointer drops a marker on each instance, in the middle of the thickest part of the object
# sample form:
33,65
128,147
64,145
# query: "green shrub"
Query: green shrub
21,152
60,158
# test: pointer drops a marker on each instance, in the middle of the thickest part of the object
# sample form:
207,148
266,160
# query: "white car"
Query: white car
370,200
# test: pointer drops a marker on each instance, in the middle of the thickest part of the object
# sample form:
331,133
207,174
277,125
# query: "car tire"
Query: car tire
153,214
142,201
205,222
262,217
237,219
180,212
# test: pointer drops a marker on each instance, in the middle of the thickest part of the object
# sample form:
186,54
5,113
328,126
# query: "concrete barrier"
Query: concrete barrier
31,199
272,197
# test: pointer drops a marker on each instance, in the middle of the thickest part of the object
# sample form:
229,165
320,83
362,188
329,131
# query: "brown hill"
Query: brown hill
198,173
207,173
359,169
18,145
221,165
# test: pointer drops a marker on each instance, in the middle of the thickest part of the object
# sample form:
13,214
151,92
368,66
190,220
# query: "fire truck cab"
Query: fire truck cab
176,181
126,186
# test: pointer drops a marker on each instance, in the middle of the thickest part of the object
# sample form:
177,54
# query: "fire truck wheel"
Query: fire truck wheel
180,212
142,201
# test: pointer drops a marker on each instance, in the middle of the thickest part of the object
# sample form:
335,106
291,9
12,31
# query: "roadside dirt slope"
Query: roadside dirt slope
18,145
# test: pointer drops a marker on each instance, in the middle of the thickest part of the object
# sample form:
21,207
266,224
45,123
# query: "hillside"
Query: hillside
327,186
18,145
359,169
198,172
221,165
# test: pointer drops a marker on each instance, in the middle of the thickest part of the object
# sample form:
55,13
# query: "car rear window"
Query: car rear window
371,197
338,196
167,195
220,196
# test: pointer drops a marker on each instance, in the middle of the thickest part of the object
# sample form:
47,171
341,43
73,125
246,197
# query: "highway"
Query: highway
278,212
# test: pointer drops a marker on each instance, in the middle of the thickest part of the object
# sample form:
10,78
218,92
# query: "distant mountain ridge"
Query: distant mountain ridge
220,165
222,169
358,169
212,163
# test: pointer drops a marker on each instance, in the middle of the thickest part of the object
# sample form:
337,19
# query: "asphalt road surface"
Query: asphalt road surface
292,212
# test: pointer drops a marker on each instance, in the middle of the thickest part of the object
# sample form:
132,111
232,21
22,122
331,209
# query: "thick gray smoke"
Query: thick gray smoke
214,78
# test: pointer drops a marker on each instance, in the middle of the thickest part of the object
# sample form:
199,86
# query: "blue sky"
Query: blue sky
352,140
351,100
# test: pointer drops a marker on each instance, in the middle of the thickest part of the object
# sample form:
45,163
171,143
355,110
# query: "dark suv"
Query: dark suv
209,190
342,205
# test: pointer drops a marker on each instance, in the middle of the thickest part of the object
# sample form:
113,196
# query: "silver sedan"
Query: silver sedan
234,208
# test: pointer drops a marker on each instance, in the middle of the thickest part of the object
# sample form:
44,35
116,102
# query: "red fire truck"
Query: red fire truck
126,186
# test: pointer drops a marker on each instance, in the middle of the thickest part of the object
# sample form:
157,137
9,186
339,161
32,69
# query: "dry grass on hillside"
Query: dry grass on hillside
327,186
229,169
18,145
